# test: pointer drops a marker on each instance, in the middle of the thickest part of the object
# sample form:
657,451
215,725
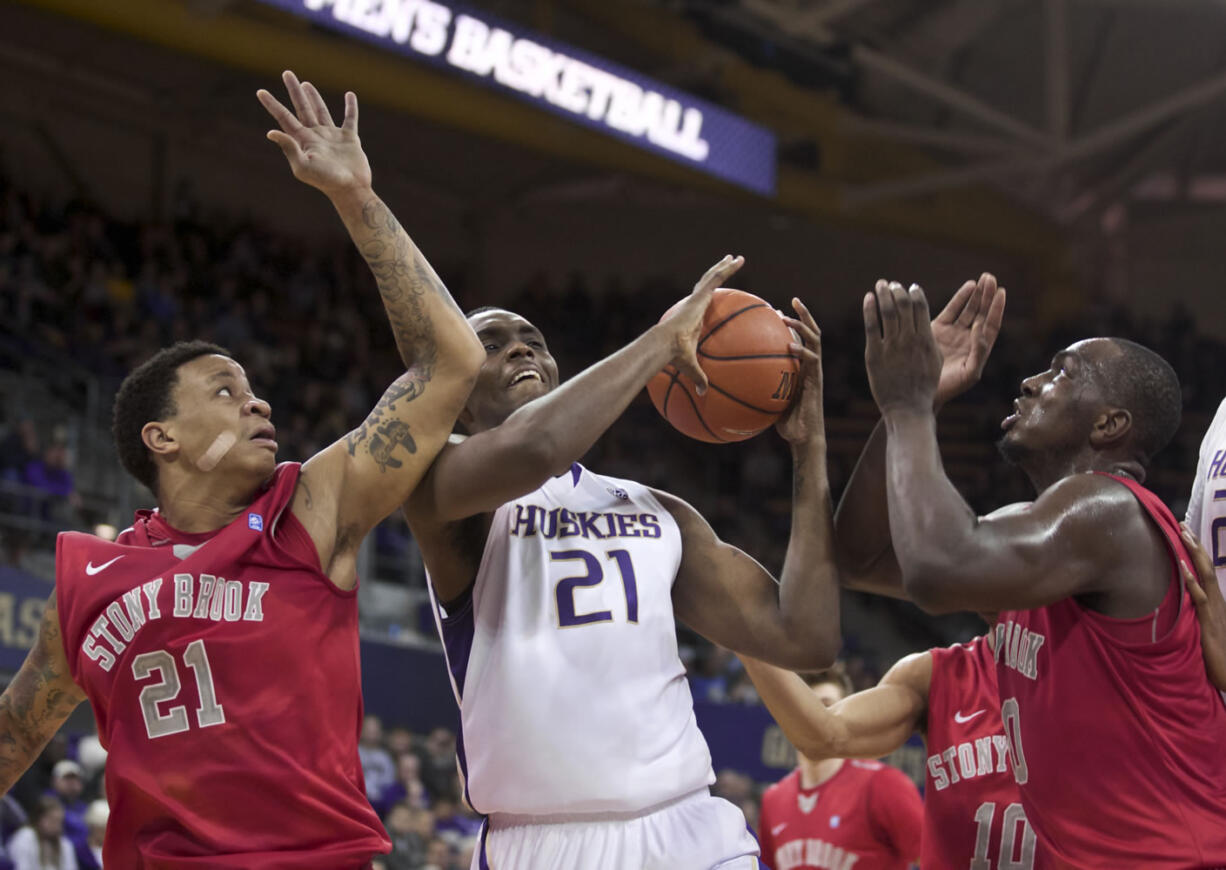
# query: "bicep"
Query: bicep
723,593
879,720
369,473
1021,557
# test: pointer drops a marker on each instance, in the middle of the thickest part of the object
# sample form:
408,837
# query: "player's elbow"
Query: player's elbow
930,589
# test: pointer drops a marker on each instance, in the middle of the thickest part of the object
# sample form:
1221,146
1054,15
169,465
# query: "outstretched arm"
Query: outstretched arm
546,435
37,701
965,332
1080,533
350,486
868,724
726,596
1210,609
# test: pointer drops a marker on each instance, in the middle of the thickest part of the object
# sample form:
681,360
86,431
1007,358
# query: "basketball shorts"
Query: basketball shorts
695,832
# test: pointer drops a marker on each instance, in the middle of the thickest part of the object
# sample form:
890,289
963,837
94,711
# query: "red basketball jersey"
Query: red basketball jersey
1115,732
973,815
868,816
223,673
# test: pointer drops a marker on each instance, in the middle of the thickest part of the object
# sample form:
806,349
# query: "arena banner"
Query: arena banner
575,84
22,598
407,686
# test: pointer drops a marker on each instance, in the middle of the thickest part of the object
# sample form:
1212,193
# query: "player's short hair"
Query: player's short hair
836,674
146,395
1145,384
468,315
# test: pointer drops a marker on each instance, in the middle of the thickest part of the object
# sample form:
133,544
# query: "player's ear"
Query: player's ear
1111,427
158,437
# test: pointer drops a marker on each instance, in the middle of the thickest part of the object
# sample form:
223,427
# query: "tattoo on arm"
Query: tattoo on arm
381,437
36,702
404,278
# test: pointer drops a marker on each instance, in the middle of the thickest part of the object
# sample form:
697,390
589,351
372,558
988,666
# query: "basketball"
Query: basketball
752,374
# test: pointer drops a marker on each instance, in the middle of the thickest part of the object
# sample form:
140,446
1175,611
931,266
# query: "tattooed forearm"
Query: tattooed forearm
37,701
405,279
381,431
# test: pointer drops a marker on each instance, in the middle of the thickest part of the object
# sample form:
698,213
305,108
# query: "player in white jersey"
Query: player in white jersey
559,588
1207,520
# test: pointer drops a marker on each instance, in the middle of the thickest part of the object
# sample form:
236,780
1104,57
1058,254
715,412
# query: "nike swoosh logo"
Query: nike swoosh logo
91,570
775,830
962,720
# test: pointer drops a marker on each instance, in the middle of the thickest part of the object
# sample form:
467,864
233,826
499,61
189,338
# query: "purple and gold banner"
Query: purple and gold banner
567,81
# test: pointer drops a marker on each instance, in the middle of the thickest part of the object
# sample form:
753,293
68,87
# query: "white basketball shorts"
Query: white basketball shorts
695,832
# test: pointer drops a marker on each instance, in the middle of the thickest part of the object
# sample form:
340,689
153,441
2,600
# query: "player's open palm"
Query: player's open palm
965,332
685,319
805,420
1210,608
900,353
320,153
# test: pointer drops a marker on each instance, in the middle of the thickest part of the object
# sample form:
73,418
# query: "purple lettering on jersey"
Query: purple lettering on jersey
651,526
525,520
625,526
564,593
587,525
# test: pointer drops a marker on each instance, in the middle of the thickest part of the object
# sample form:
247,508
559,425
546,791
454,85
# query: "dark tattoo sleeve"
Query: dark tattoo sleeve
381,432
37,701
404,279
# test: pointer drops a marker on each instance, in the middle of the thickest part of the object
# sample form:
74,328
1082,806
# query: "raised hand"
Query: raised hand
320,153
1210,608
684,320
903,361
965,331
805,419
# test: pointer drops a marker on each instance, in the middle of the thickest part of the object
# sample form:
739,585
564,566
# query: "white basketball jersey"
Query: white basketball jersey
573,698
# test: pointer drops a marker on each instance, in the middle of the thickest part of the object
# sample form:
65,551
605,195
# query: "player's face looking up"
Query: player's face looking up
1058,408
518,368
218,424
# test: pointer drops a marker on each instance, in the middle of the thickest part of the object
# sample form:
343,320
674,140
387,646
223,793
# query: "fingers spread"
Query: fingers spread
297,96
288,145
317,104
283,116
952,312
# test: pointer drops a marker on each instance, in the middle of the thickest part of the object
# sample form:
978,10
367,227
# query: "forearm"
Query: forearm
809,582
429,328
931,526
805,720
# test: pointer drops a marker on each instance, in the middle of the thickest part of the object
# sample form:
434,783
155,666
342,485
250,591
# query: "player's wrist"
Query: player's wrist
351,199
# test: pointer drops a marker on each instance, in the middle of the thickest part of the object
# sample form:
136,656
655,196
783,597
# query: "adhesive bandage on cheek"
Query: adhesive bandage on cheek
220,447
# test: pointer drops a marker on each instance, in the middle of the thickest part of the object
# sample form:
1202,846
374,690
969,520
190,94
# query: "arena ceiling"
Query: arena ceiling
997,123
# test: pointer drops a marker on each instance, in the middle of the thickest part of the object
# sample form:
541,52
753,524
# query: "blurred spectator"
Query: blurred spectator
453,821
438,855
377,765
709,678
410,829
407,786
51,476
89,854
41,845
67,786
438,763
18,449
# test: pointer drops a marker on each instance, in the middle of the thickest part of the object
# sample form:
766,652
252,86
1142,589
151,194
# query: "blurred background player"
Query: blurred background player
831,811
557,590
1098,653
217,638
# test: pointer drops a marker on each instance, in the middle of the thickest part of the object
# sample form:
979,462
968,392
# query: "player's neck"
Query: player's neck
815,773
1044,474
195,506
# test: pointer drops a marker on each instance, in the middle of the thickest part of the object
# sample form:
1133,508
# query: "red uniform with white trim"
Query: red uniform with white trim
223,673
1115,731
868,816
973,815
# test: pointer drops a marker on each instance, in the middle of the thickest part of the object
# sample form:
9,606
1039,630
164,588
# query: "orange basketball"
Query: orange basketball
752,375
